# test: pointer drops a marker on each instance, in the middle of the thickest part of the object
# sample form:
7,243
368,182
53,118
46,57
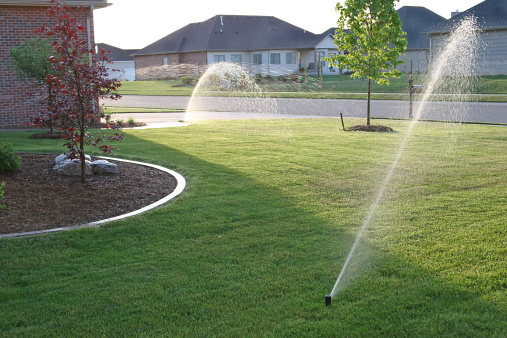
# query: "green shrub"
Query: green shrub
269,78
187,80
131,121
258,78
9,162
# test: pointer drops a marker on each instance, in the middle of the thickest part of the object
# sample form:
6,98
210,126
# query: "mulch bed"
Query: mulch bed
36,198
371,128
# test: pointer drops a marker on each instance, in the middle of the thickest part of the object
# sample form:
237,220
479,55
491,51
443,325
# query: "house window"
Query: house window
257,59
219,58
236,58
290,58
275,58
164,62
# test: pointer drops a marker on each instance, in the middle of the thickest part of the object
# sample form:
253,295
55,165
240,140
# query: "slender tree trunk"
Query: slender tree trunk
81,149
368,108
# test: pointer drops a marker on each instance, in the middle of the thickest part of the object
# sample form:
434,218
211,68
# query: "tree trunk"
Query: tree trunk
368,108
81,150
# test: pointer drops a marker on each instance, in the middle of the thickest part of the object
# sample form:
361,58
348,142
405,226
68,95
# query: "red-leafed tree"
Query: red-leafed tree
79,79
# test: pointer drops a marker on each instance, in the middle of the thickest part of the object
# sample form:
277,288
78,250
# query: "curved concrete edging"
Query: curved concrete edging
181,183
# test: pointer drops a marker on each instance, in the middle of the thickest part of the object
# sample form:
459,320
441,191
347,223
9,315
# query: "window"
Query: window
164,62
236,58
257,59
219,58
275,58
290,58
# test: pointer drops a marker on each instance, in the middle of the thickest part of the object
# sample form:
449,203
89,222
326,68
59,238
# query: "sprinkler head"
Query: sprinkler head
328,300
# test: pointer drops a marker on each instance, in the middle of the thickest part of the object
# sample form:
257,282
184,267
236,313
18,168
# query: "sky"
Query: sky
134,24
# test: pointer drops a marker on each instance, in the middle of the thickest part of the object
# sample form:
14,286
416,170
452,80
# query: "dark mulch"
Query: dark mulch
36,198
381,129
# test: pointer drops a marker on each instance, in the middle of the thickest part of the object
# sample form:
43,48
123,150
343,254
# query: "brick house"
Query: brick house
18,21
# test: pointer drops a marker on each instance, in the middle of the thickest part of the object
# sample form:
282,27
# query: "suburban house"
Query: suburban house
18,21
121,61
415,21
491,16
260,44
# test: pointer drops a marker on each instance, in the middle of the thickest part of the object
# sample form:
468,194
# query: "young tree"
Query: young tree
31,60
370,30
79,82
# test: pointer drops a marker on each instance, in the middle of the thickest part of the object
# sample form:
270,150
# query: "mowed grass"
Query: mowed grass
260,234
491,88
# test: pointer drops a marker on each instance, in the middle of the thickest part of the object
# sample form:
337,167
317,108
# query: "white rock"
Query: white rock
72,167
60,158
104,167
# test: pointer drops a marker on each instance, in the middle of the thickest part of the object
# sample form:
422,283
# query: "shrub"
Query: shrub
131,121
9,162
187,80
258,78
269,78
282,78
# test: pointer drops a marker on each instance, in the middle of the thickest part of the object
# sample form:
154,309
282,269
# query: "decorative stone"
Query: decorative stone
72,167
104,167
60,158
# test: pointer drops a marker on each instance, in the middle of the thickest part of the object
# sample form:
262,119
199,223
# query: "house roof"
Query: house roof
490,14
233,33
117,54
95,3
416,20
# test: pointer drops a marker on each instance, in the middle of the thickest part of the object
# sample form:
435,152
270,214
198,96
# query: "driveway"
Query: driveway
235,108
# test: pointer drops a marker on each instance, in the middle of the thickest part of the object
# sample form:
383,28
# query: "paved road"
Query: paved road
215,108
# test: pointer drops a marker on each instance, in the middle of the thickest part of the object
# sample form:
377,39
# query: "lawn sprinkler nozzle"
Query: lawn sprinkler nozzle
328,300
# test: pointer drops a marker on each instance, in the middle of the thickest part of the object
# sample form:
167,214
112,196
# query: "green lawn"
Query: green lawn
258,237
492,88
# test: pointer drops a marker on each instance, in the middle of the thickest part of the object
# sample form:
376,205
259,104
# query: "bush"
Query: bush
269,78
282,78
9,162
187,80
258,78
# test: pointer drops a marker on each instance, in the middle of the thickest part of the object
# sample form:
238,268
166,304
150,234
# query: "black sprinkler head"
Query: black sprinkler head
328,300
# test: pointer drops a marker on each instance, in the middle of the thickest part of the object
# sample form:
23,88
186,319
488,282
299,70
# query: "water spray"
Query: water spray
455,54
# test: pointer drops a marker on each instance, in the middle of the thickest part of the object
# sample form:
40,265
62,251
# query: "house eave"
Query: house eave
84,3
444,32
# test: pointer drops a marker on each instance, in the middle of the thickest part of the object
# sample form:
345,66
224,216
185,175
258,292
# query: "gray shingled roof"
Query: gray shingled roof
233,33
490,14
416,20
118,54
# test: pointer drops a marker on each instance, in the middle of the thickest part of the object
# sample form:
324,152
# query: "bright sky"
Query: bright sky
134,24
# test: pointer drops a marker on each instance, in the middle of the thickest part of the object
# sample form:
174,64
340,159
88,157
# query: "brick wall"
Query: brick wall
162,66
18,23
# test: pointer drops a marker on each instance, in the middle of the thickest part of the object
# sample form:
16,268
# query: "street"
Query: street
215,108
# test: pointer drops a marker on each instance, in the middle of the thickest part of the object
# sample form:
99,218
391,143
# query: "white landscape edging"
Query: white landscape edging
181,183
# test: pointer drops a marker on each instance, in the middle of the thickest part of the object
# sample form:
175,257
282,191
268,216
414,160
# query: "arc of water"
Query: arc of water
464,35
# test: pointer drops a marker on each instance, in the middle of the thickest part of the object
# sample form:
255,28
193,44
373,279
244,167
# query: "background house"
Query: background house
416,20
18,21
260,44
491,17
120,60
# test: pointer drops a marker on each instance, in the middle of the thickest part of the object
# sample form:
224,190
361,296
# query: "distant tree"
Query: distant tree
31,60
370,30
79,79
